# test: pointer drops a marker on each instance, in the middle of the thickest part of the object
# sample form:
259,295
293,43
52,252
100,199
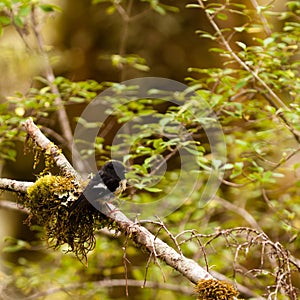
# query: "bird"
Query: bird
105,184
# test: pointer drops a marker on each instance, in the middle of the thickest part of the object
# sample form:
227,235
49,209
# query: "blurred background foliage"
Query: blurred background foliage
249,75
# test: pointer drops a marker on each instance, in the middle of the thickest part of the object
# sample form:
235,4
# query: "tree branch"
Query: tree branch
97,285
12,205
62,114
143,237
187,267
63,118
47,146
14,185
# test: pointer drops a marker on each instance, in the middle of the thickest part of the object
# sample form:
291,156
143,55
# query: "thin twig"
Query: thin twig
41,140
240,211
263,19
108,284
13,206
62,114
125,14
276,100
125,261
63,118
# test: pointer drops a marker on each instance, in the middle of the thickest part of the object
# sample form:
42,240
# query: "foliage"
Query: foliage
250,230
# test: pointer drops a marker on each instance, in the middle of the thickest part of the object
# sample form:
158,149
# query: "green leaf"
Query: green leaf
222,16
111,10
4,20
239,29
24,11
153,189
18,21
16,245
268,41
141,67
159,9
193,6
50,8
242,45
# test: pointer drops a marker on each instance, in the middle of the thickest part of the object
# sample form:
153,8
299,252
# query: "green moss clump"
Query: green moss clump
213,289
48,201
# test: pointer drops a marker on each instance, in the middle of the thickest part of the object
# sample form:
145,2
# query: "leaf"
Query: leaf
193,6
4,20
153,189
159,9
111,10
50,8
239,29
24,11
18,21
16,245
242,45
268,41
222,16
141,67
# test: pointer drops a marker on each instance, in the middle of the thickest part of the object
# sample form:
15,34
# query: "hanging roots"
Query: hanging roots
48,200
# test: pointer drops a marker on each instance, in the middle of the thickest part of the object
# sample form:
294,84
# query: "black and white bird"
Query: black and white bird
106,183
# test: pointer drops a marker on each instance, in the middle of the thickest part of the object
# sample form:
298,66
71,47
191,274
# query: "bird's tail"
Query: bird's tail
75,204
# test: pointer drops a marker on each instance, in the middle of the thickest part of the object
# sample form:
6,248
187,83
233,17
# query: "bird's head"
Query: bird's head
114,172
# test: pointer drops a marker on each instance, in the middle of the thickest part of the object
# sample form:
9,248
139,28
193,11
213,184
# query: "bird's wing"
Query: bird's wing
95,190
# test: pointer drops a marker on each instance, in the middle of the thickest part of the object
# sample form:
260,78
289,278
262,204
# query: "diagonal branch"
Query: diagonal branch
47,146
187,267
276,100
61,111
143,237
271,96
62,115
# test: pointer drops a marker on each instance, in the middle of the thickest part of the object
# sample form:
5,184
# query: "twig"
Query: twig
63,119
62,114
38,137
125,14
162,225
110,283
295,132
277,101
262,18
240,211
141,236
125,261
14,185
13,205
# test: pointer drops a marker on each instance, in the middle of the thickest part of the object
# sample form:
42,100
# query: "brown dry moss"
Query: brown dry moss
213,289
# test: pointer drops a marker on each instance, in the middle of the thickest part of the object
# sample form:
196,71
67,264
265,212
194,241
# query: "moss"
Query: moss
213,289
48,201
